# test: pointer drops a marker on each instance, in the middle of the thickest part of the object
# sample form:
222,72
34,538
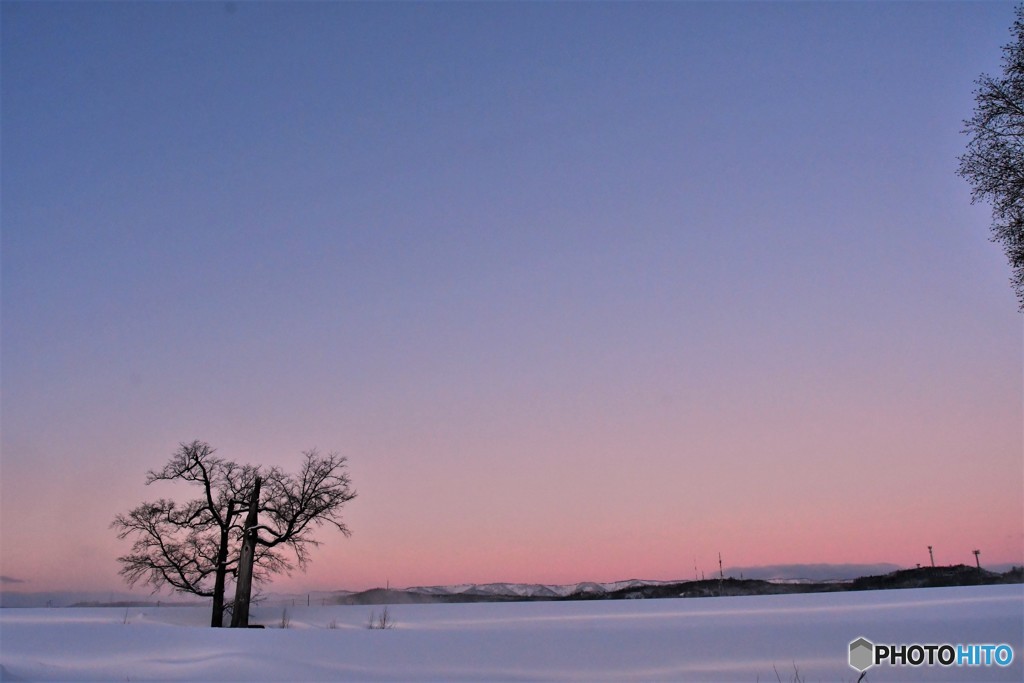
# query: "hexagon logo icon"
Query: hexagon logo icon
862,654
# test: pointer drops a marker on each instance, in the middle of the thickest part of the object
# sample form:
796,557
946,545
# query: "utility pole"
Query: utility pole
931,555
976,560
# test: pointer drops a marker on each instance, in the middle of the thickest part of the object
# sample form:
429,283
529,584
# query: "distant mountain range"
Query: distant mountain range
531,590
738,581
958,575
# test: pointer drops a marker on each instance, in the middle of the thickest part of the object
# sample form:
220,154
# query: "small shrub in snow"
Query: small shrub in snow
382,622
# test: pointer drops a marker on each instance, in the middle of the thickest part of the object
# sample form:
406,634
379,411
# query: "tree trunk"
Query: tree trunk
243,589
217,619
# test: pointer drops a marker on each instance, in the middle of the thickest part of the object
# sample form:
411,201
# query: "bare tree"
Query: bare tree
193,548
292,508
189,547
994,161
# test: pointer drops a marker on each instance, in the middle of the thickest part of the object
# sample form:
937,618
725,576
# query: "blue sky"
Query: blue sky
546,240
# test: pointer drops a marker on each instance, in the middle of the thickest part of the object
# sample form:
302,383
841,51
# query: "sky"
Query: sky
583,291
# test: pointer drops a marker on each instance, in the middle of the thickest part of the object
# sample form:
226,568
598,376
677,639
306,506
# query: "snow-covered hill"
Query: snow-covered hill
532,590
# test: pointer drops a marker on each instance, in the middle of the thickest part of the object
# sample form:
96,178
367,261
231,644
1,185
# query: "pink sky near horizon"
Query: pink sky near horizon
571,305
579,499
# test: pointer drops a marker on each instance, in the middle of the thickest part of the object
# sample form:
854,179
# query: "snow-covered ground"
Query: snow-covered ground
705,639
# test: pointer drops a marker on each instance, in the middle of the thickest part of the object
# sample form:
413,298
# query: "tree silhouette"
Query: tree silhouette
994,161
194,547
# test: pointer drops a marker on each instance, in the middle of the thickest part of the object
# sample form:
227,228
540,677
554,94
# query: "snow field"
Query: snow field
699,639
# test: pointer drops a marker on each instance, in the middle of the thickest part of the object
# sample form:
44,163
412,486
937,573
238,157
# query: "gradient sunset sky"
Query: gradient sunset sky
584,291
